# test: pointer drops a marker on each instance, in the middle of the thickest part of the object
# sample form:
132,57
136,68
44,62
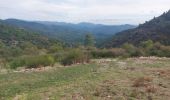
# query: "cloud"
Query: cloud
96,11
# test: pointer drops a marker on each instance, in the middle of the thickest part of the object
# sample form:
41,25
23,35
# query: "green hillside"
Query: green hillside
18,42
157,30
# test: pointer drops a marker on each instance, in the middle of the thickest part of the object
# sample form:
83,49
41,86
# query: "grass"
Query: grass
126,79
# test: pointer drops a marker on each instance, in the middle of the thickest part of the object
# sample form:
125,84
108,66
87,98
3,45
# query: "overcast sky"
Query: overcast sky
96,11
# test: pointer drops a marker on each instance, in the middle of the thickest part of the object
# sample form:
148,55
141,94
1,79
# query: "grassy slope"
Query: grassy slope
100,81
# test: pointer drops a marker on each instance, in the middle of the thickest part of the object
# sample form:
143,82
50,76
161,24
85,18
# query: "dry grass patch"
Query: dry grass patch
164,73
151,89
77,96
105,90
142,82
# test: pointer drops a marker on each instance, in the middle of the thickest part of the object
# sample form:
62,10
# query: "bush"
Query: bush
160,50
130,49
60,56
38,61
32,62
118,52
108,53
75,56
99,53
17,63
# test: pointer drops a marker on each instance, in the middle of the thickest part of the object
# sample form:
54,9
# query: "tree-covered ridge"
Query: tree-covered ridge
157,29
17,42
13,36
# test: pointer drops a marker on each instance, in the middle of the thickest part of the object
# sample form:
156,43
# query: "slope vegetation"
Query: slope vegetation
157,30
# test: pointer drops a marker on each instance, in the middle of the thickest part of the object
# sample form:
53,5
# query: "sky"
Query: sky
113,12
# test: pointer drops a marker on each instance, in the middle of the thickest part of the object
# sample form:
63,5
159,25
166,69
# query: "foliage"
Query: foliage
32,62
19,62
108,53
7,52
156,30
55,48
38,61
130,49
147,44
1,44
146,48
75,56
89,40
16,42
160,50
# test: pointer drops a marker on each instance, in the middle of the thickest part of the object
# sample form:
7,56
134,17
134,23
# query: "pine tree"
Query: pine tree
89,40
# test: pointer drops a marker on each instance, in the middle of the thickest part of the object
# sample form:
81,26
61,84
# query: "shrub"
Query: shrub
55,48
17,63
147,44
118,52
130,49
60,56
160,50
38,61
75,56
108,53
100,53
33,61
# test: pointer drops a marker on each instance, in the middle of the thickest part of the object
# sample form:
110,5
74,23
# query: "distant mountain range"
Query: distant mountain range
42,32
68,32
14,36
157,29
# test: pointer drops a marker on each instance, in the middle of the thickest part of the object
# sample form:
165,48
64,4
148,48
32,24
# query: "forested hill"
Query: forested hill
14,36
70,33
157,29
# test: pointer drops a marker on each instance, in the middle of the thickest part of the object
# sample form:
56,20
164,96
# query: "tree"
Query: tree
147,44
89,40
1,44
147,47
55,48
75,56
29,48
